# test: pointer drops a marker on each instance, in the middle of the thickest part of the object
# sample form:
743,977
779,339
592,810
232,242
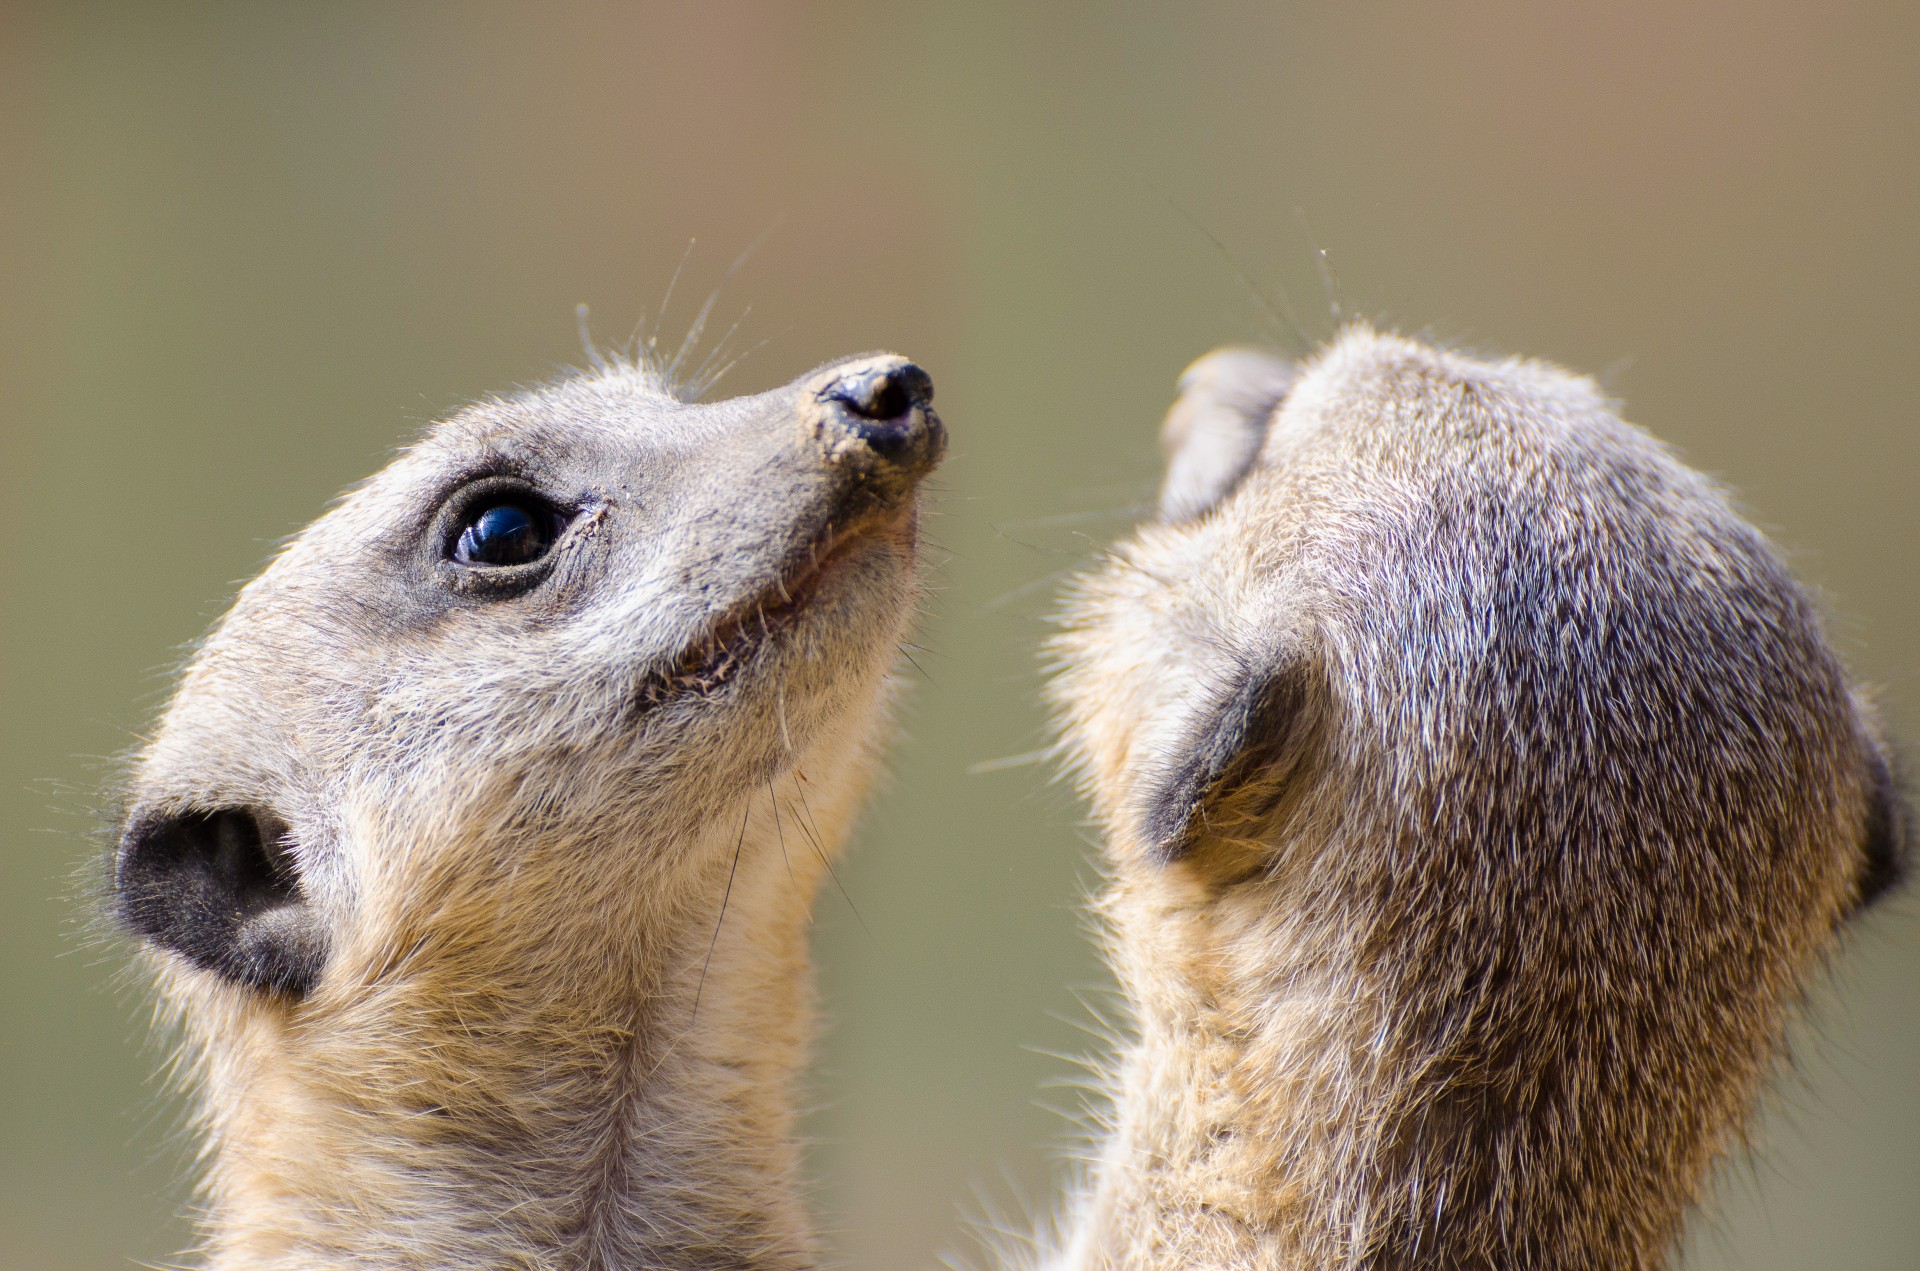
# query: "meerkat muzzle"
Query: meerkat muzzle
875,415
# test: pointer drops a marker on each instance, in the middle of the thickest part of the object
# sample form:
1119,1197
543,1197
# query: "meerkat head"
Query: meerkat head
1480,790
539,650
1359,562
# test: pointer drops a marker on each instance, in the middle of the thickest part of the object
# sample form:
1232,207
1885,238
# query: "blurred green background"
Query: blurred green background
246,250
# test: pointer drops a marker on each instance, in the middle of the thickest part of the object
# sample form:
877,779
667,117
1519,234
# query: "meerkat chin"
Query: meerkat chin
476,847
1480,793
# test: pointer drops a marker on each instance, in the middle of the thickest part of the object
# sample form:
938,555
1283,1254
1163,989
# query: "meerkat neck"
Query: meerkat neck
616,1094
1181,1172
1284,1098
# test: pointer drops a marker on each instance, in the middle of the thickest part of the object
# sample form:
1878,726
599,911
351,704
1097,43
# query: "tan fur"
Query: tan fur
1468,943
562,845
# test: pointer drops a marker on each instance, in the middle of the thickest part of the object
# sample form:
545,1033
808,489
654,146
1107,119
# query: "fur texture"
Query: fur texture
542,844
1479,792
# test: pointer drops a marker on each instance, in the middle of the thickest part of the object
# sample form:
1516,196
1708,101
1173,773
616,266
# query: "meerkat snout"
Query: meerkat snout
876,415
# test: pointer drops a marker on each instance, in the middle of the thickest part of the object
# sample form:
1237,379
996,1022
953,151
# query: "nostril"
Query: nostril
888,400
883,392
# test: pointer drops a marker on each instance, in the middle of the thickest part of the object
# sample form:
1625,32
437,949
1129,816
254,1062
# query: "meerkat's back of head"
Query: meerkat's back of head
1481,789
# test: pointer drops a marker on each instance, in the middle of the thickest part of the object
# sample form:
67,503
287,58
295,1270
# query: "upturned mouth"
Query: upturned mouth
712,662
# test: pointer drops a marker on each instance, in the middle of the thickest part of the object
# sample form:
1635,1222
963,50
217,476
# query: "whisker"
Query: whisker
724,898
780,832
1328,278
698,383
1010,761
660,319
916,666
720,373
1028,588
692,339
595,358
1076,518
1254,293
813,836
1034,547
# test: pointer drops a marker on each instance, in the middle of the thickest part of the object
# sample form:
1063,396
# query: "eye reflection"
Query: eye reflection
509,532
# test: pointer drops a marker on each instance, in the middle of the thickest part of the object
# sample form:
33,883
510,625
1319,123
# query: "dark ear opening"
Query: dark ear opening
1229,766
219,889
1887,851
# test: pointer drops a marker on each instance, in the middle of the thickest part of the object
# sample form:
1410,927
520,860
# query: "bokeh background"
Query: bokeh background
245,250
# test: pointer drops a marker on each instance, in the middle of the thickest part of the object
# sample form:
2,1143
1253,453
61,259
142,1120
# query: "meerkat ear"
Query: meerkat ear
1213,432
1888,850
1230,764
220,889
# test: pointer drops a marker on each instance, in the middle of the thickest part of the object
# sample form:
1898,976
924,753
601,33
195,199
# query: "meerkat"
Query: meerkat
1479,793
475,850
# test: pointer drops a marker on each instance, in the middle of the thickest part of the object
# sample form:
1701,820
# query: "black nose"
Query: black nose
885,406
882,392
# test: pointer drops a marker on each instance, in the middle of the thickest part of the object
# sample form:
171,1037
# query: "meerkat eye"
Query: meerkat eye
510,531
